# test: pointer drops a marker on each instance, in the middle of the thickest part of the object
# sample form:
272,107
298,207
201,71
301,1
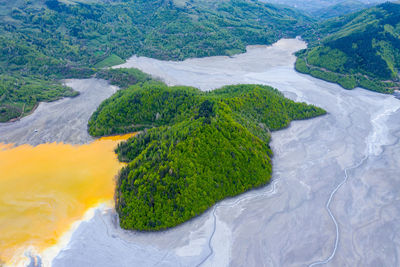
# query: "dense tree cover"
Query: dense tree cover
339,9
198,148
89,34
345,80
321,8
20,95
186,168
142,106
52,39
361,49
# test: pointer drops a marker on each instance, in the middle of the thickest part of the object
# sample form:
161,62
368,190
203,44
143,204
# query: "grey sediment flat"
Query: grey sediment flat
60,121
351,157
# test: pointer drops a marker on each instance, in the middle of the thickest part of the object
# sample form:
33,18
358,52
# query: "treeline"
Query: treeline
197,147
339,9
142,106
87,34
56,40
347,81
19,95
361,49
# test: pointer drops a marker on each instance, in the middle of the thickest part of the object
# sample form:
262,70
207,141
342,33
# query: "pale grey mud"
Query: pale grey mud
349,157
60,121
333,200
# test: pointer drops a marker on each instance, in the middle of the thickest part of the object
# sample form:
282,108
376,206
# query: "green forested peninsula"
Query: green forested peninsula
197,147
46,40
19,97
360,49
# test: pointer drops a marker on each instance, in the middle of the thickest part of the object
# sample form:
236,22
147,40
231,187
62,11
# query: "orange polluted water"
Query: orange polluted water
44,189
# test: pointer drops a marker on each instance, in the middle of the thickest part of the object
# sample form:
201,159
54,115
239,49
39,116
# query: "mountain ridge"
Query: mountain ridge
359,49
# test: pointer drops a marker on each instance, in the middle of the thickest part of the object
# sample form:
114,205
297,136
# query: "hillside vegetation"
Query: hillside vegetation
198,148
47,40
319,7
19,97
361,49
339,9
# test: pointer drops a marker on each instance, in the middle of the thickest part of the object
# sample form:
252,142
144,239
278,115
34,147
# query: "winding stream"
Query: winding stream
334,197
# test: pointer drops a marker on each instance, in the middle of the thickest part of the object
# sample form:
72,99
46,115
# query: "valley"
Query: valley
349,156
42,42
199,133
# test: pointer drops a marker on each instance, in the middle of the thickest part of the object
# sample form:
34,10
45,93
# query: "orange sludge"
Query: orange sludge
44,189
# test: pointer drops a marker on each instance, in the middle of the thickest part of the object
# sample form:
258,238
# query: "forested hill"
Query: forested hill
198,148
44,40
340,9
314,6
360,49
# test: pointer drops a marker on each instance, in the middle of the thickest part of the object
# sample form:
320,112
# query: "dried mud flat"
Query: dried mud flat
334,197
60,121
333,200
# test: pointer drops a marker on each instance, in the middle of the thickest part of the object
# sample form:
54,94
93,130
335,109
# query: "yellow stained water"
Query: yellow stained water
44,189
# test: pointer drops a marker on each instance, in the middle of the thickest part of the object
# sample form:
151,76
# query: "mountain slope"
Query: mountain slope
360,49
315,5
46,40
339,9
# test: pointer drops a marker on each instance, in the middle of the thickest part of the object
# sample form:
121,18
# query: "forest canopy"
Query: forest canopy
360,49
196,147
44,41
